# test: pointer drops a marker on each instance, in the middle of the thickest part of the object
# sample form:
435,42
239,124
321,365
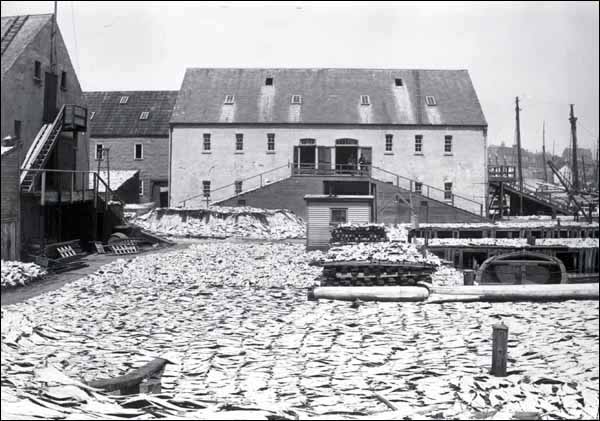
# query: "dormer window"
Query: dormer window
124,100
364,100
269,81
92,114
296,99
144,115
430,100
398,82
229,99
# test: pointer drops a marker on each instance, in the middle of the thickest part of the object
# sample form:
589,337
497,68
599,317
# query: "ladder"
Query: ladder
11,32
38,153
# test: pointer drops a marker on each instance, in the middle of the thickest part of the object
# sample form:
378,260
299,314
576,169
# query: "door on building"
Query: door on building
160,193
346,156
50,91
305,157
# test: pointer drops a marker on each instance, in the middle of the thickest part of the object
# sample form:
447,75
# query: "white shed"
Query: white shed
326,212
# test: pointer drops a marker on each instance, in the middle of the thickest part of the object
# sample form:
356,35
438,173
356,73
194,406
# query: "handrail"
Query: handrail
233,184
35,149
425,185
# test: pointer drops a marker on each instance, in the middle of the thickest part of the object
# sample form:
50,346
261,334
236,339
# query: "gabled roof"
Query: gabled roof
113,119
17,32
328,96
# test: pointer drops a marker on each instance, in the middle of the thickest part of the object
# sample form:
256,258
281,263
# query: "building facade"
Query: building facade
36,84
235,130
134,127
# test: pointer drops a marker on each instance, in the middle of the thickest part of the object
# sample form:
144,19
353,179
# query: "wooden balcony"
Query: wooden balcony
339,170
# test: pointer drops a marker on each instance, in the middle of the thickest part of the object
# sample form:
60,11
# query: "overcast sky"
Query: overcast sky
546,53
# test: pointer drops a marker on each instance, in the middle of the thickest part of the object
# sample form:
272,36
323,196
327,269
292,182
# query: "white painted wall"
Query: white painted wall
190,165
319,218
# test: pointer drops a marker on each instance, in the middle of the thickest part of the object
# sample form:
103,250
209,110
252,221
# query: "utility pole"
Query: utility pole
574,169
544,152
519,166
596,173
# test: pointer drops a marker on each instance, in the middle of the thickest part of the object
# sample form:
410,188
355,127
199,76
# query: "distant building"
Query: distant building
333,131
134,127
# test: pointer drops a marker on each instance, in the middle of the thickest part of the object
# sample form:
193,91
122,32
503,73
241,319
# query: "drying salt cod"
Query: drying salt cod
18,273
250,346
223,222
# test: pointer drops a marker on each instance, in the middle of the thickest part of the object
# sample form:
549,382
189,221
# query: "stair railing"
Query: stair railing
259,177
40,142
427,190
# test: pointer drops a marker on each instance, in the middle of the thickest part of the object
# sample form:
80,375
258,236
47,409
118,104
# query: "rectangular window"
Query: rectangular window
238,187
17,131
339,216
206,188
269,81
37,71
389,142
123,100
270,141
398,82
141,187
99,152
418,143
430,100
448,144
139,151
229,99
144,115
63,81
296,99
239,142
364,100
206,143
418,187
448,191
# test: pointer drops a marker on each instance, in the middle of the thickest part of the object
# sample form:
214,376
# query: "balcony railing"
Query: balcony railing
363,170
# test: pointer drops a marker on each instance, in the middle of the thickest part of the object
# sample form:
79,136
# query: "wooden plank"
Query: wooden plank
524,292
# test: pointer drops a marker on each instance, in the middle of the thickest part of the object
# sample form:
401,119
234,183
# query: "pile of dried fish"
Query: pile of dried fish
446,276
356,233
16,273
398,232
224,222
268,353
395,252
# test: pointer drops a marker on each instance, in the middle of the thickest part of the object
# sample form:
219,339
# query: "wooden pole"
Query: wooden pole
574,169
499,349
469,276
544,152
519,162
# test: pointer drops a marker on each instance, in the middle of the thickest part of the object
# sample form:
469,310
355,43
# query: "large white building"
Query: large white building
341,131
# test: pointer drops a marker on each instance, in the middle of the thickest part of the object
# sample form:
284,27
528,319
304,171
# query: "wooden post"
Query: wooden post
72,185
469,276
43,198
95,190
499,349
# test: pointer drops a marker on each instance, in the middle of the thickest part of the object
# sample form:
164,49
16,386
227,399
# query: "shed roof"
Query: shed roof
16,34
111,118
328,96
117,179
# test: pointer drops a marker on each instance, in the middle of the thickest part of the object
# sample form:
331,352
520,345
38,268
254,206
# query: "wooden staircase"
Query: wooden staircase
13,28
40,150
